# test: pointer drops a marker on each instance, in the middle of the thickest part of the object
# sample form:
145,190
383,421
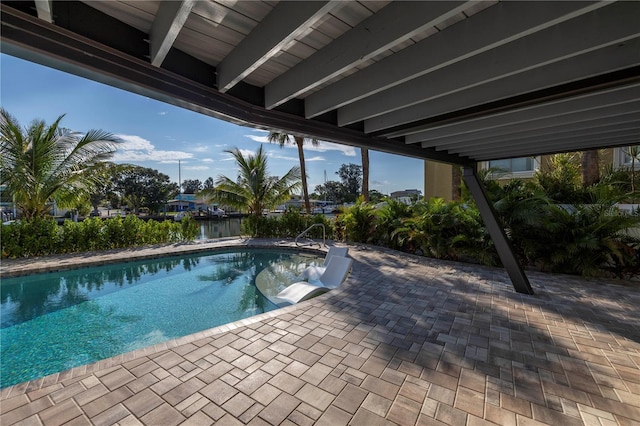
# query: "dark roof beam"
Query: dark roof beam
582,103
575,121
554,147
629,122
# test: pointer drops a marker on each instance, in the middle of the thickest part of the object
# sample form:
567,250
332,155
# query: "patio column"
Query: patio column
505,251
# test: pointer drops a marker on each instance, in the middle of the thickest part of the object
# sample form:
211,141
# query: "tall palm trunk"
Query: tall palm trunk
456,181
590,167
365,173
303,170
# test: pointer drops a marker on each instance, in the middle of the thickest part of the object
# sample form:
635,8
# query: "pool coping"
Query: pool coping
26,266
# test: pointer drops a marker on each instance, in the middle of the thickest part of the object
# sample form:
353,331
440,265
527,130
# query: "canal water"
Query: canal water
229,227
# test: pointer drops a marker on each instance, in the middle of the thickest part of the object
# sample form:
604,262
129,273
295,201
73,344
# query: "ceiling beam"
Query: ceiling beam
552,146
44,8
393,25
625,122
166,26
581,103
566,121
497,25
288,20
602,63
616,24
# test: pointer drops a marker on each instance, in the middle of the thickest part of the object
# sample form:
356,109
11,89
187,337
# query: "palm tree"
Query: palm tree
633,152
590,162
283,139
365,173
41,163
254,189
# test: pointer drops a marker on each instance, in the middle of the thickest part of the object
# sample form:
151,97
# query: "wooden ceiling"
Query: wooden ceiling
452,81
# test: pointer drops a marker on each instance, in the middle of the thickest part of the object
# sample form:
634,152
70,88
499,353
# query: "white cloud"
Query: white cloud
322,146
162,113
282,157
136,149
258,138
196,168
207,160
200,148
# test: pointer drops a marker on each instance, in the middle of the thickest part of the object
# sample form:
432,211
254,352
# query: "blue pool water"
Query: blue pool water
55,321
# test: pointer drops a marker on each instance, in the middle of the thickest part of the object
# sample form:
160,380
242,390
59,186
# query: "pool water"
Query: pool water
55,321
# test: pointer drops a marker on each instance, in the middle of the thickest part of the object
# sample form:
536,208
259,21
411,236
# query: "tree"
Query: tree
365,173
351,177
331,190
456,182
209,183
144,187
590,162
634,153
254,189
283,139
376,196
105,188
44,163
191,186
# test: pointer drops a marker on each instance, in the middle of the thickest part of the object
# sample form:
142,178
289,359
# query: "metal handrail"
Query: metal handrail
324,238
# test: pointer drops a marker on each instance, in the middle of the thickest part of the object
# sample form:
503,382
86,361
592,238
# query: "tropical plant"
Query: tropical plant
390,217
105,188
561,180
441,230
44,163
357,223
282,139
254,189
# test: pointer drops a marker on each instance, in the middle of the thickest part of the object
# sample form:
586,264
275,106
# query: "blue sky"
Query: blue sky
157,134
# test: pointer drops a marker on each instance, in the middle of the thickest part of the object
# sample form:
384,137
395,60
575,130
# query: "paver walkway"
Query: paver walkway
406,340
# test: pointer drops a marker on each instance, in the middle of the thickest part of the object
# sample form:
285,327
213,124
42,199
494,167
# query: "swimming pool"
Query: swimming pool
55,321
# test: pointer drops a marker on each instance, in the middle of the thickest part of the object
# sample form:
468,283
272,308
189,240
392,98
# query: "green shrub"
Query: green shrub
44,236
358,223
289,225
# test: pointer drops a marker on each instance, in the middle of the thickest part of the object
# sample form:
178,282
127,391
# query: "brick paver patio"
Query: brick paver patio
406,340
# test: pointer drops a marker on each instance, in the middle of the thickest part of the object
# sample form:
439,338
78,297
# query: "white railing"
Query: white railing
311,241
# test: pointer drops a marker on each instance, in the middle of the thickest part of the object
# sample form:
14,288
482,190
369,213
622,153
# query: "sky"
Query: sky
156,134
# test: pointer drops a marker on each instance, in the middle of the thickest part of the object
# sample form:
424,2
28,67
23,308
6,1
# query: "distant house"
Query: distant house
408,193
437,176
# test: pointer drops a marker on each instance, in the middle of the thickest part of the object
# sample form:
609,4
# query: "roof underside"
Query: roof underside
452,81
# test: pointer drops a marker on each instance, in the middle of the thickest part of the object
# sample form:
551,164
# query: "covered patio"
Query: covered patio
408,340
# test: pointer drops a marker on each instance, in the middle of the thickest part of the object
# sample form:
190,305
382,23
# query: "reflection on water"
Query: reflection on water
54,321
219,228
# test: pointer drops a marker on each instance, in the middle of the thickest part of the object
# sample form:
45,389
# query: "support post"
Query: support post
505,251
